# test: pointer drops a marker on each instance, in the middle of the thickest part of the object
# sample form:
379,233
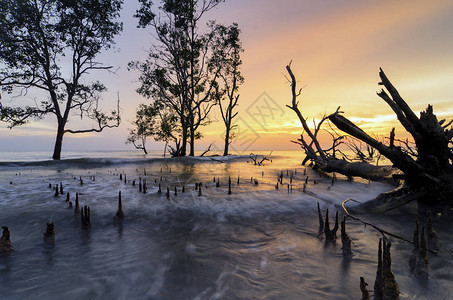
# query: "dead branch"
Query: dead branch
382,231
206,151
294,107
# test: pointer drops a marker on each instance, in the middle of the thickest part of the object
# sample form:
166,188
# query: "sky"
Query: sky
336,49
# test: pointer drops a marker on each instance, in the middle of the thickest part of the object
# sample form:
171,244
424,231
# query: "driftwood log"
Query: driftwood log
425,173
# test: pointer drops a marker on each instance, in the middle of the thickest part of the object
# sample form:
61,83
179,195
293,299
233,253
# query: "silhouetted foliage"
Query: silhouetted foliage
51,46
158,122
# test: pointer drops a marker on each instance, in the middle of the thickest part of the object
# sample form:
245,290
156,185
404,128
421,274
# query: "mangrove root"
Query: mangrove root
330,234
385,286
418,262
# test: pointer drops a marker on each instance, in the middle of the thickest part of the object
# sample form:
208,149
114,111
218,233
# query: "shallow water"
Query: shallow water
257,243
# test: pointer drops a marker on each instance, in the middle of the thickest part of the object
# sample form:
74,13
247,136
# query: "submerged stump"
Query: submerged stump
5,242
345,240
85,217
330,234
77,206
418,262
49,234
321,221
364,289
432,237
119,212
385,286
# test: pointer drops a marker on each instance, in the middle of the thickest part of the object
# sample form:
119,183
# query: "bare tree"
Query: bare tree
426,171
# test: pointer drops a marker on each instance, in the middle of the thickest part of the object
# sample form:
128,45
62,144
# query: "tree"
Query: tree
50,46
426,172
155,121
144,124
227,58
177,71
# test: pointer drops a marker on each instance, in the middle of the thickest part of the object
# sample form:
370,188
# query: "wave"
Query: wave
109,161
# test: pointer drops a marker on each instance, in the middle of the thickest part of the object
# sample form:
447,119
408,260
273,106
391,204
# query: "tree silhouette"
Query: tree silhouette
180,72
227,58
51,46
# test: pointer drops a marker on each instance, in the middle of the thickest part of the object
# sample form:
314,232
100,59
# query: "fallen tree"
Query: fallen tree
424,174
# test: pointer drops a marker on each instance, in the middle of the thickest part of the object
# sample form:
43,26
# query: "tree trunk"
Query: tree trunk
58,141
227,141
183,148
192,140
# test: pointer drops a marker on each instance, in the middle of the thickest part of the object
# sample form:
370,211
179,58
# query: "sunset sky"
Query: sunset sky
336,48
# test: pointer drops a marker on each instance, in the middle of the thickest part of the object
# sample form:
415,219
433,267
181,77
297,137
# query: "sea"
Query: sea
238,227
